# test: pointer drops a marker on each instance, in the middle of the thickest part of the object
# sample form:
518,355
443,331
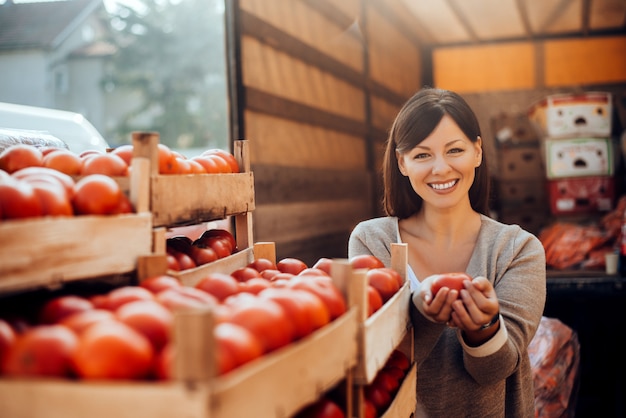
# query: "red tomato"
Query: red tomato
172,262
221,246
43,350
125,294
164,363
325,290
96,194
7,339
60,307
375,301
385,283
243,274
272,274
291,265
201,256
113,350
254,285
322,408
369,409
227,156
223,166
262,264
107,164
365,261
80,321
53,197
18,200
185,297
125,152
218,233
220,285
313,272
266,319
236,345
290,300
395,275
19,156
400,360
64,161
185,262
195,167
209,164
42,173
167,160
157,283
323,264
453,281
378,396
386,381
150,318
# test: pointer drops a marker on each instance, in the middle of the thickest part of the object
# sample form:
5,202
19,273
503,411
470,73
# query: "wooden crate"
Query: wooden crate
48,251
382,332
276,385
183,199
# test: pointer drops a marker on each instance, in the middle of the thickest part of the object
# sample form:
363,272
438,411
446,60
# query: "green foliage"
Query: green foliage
171,67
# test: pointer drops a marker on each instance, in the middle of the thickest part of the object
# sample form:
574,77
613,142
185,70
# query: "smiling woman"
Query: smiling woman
469,345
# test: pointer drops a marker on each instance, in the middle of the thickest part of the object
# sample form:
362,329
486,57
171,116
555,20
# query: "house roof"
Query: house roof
40,24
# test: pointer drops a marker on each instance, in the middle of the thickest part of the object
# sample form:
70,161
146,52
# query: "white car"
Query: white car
71,128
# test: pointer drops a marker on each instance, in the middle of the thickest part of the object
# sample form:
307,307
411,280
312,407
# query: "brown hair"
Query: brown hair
417,119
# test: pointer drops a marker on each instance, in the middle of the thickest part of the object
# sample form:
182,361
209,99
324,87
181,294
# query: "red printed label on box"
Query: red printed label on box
572,115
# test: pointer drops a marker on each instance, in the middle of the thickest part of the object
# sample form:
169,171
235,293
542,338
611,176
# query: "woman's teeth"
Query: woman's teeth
443,186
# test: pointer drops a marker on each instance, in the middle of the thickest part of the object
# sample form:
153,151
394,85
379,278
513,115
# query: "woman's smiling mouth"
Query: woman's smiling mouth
443,186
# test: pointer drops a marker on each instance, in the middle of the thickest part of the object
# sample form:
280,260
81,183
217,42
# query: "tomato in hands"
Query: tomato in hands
453,281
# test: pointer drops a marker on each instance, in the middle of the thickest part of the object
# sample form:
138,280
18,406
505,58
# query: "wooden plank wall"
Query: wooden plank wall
317,89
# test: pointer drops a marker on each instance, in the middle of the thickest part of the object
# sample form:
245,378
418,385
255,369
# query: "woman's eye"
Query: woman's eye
421,156
455,150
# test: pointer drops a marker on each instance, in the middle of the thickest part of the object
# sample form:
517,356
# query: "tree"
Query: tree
171,61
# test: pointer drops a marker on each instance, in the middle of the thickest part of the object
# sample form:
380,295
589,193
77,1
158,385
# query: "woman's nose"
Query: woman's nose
440,165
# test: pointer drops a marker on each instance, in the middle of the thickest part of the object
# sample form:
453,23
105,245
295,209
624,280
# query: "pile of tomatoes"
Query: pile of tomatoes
125,333
183,253
382,282
377,395
116,163
39,191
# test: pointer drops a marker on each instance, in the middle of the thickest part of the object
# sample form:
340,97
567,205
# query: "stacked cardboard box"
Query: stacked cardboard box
578,151
519,181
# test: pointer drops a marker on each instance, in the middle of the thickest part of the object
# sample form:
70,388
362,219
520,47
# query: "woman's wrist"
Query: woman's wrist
491,323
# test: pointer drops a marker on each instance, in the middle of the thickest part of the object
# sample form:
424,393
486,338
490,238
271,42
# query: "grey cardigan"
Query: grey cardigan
451,382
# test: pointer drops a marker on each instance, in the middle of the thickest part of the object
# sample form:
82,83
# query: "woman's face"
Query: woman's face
441,167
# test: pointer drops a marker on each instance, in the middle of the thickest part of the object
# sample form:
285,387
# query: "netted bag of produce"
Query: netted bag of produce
39,139
568,245
555,358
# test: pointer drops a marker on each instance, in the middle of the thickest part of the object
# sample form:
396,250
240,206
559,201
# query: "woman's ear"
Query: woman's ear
479,150
400,163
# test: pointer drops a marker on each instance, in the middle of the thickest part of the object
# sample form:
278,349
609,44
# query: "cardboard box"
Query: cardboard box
522,194
520,163
532,221
581,195
513,130
573,115
578,157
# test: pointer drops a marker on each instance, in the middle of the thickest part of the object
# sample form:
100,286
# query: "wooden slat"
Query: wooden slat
275,184
296,221
585,61
256,28
260,101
